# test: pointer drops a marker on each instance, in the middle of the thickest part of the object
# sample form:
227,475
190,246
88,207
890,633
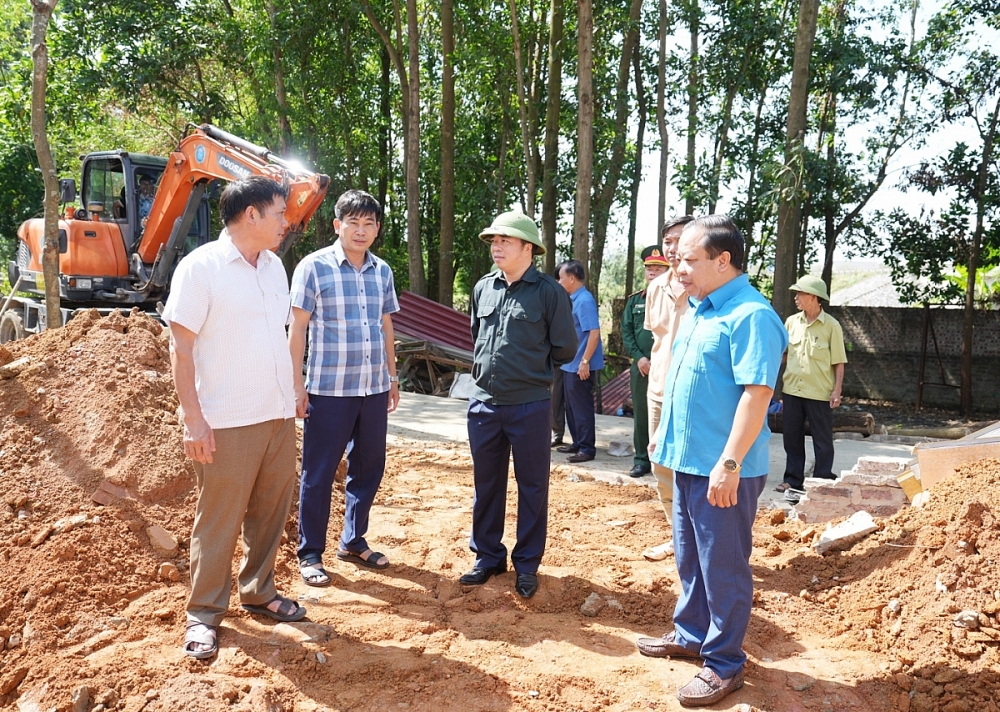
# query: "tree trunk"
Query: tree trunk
829,209
982,198
722,138
522,106
690,177
661,122
790,205
502,153
409,84
446,258
890,150
584,130
553,101
279,81
640,97
413,245
758,130
606,193
384,157
39,83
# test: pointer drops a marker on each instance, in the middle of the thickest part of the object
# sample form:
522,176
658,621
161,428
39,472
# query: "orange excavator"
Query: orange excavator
140,214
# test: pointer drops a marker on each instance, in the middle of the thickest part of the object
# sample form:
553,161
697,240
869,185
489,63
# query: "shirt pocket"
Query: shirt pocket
711,355
486,315
523,325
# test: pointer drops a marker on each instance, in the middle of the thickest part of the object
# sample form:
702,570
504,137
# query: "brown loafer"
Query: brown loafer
707,689
665,647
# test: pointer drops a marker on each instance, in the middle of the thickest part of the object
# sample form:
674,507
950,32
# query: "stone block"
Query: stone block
161,540
821,511
830,491
846,534
880,464
858,478
882,495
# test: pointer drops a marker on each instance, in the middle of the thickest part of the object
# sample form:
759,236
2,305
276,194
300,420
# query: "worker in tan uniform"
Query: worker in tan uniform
814,375
666,303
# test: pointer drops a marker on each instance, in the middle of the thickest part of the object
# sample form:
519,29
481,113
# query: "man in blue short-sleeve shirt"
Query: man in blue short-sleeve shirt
713,434
342,298
580,373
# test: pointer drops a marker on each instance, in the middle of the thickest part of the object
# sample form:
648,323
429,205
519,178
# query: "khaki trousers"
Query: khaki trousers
248,485
664,475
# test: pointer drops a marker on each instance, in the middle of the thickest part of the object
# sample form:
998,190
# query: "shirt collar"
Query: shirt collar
726,292
821,318
531,275
341,256
231,253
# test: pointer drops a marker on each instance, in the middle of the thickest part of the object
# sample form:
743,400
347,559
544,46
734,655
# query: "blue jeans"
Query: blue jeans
495,431
335,424
712,546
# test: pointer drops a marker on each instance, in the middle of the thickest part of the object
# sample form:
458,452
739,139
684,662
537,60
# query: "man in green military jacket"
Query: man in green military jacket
638,344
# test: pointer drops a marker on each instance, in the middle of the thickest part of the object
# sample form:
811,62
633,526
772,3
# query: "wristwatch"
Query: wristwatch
585,362
730,465
393,379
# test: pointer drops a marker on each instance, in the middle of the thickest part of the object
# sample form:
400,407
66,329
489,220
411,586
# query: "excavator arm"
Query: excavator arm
204,154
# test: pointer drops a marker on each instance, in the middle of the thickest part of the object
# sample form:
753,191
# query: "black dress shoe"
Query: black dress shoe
557,441
580,457
478,576
568,448
639,471
526,585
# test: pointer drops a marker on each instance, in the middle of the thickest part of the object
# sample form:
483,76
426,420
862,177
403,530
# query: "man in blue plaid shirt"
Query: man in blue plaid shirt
342,297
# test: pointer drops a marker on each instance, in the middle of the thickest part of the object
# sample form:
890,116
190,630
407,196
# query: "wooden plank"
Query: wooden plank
939,460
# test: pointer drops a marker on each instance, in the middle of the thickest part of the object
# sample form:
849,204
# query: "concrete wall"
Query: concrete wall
884,355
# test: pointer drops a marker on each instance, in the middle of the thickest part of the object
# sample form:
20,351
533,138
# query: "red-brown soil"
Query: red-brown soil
870,629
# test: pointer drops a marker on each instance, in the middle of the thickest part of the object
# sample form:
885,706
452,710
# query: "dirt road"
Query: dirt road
86,602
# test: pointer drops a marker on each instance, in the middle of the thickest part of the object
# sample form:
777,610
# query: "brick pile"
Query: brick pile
869,486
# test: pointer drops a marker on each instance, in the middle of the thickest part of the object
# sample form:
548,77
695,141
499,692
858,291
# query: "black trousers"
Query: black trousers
558,406
579,395
794,414
495,433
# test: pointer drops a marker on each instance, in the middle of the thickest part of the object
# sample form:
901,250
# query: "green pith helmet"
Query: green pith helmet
515,224
811,284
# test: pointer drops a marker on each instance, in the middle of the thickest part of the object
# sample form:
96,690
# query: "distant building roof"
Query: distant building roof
875,291
614,393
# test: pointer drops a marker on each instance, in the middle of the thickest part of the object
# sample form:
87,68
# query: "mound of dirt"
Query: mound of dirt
922,593
92,595
90,409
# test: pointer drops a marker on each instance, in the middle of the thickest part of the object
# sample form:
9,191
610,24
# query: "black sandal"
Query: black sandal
371,562
287,612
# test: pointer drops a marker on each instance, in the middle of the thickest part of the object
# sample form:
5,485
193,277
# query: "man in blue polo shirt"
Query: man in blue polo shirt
580,373
713,434
342,298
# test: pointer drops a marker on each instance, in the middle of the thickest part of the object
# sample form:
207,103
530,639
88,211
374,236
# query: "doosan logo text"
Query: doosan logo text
233,167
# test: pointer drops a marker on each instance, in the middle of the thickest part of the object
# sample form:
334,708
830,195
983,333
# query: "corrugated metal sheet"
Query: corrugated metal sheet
426,320
614,393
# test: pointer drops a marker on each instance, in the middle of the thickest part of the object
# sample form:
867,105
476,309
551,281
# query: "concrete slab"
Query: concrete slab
421,417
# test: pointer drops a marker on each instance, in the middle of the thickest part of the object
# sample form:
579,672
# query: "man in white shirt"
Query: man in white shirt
228,308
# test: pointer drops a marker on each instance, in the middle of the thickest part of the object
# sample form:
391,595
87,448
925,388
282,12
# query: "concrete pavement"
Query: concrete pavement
434,418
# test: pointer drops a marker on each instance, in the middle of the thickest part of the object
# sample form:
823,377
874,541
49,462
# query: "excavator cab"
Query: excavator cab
98,240
140,214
